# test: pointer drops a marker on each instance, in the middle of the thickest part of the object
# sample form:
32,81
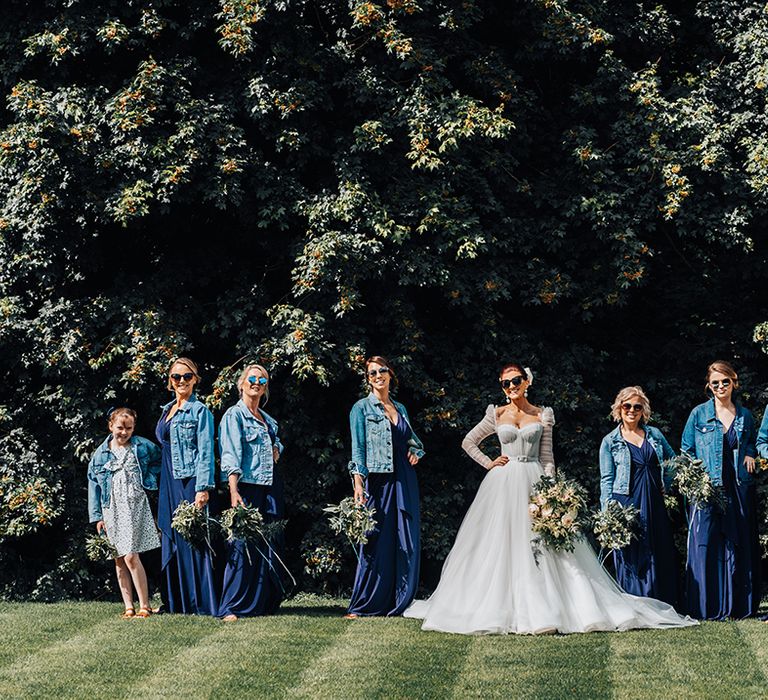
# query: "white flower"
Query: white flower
567,520
533,509
546,512
529,375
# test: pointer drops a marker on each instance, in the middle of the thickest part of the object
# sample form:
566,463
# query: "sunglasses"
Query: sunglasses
186,376
716,383
515,381
627,407
253,379
378,372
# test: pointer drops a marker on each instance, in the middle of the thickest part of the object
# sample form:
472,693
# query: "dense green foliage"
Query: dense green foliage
581,185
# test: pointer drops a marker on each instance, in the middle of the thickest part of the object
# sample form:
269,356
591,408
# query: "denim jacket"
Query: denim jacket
616,461
762,436
372,437
100,476
703,439
246,446
192,443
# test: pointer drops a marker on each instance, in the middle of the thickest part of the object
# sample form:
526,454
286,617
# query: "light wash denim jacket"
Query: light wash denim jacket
616,462
372,437
192,443
245,445
100,476
762,436
703,439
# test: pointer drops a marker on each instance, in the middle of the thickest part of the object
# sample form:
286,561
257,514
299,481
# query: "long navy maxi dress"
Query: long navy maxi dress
388,571
723,566
253,575
648,565
188,584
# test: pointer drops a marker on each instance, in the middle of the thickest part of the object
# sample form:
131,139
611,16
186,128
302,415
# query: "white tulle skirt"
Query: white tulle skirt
491,583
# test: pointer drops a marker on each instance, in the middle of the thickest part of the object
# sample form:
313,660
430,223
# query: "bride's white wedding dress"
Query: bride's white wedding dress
491,583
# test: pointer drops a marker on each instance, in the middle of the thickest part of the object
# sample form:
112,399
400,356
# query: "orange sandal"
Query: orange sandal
144,613
128,614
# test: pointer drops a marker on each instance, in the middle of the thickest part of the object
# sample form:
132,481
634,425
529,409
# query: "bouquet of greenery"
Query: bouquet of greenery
355,520
559,514
693,482
194,524
98,547
616,526
247,524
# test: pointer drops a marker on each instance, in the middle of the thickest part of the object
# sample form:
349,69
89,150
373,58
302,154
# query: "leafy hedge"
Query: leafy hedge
452,183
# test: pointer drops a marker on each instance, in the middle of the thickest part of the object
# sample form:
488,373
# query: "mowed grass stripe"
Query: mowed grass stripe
755,633
102,661
259,656
709,661
382,657
546,666
26,628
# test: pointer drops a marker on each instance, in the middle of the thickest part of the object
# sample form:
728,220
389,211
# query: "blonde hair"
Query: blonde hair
191,364
624,395
246,371
725,368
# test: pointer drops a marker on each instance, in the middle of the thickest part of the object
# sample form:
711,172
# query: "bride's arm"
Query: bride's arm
545,446
471,443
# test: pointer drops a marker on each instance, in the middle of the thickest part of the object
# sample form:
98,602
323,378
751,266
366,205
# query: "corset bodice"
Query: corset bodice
520,443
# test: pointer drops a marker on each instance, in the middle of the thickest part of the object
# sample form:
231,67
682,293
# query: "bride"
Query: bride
491,583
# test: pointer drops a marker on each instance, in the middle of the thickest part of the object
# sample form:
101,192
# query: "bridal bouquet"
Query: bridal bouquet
693,482
559,514
616,526
98,547
355,520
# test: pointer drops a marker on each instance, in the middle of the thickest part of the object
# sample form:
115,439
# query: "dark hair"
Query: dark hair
513,365
384,362
725,368
121,411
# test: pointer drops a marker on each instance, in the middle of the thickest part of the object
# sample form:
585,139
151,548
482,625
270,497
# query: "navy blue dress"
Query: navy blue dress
388,570
188,584
252,578
648,565
723,565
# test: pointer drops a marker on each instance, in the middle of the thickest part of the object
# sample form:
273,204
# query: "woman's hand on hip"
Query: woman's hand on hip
201,499
500,461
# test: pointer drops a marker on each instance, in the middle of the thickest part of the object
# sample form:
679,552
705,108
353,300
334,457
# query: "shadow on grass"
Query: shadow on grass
313,610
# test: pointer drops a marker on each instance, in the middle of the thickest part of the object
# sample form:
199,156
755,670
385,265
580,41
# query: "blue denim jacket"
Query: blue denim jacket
246,446
100,477
372,437
762,436
616,461
192,443
703,438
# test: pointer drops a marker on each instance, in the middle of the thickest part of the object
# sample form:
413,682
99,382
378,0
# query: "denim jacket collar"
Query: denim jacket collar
104,446
711,415
616,435
246,413
184,407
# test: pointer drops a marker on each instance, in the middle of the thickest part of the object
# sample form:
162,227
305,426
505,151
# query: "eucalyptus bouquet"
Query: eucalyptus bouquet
616,526
693,482
355,520
98,547
559,514
194,524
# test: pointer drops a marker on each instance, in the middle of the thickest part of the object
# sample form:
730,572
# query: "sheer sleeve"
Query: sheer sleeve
471,443
545,446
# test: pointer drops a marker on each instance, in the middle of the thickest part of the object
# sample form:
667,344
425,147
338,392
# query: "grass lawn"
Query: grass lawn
83,650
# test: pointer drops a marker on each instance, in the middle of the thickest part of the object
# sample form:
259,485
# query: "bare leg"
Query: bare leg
124,581
139,576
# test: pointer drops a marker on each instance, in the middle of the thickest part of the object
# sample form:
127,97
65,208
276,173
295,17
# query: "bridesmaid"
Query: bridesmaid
723,567
250,449
630,473
384,451
185,433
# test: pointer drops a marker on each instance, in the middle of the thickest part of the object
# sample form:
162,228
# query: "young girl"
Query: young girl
119,471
